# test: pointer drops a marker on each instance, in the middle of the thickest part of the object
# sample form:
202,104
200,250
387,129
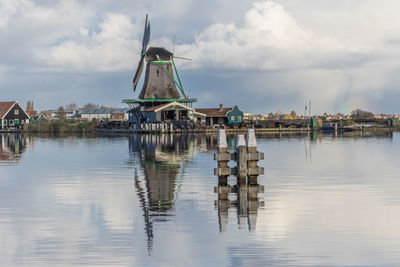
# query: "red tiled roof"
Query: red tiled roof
32,113
214,112
4,108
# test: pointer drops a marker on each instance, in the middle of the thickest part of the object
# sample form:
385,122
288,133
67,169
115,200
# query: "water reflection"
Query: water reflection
246,204
110,200
12,147
163,160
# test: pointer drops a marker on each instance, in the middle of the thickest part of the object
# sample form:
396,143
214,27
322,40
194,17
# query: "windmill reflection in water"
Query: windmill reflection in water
162,161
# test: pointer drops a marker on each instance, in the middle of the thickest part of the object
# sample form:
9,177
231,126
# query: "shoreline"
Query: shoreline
208,131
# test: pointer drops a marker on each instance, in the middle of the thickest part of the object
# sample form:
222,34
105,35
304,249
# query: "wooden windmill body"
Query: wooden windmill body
161,81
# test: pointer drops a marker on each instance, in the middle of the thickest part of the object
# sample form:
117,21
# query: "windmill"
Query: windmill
160,85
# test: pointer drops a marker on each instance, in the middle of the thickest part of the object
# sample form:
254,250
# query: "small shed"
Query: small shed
315,122
235,116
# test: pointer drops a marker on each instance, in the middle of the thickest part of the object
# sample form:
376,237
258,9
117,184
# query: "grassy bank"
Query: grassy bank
60,126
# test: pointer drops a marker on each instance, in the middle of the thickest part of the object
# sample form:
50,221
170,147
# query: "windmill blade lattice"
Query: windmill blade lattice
145,42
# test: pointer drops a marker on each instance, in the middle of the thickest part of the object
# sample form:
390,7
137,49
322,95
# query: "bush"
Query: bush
60,126
347,122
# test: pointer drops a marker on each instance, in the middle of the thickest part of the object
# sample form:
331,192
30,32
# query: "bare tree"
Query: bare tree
71,106
91,106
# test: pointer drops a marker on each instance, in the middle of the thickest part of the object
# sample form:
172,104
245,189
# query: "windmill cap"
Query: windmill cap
153,52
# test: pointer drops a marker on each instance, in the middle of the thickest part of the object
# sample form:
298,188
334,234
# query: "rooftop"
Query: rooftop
5,107
214,112
104,111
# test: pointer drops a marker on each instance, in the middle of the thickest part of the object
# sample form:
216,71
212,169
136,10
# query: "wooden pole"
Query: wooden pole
241,158
222,157
253,156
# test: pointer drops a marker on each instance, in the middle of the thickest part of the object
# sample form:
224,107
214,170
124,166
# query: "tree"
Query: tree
60,113
71,106
91,106
361,114
293,115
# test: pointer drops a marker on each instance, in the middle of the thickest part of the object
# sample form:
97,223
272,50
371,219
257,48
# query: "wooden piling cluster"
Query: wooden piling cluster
246,157
160,127
246,171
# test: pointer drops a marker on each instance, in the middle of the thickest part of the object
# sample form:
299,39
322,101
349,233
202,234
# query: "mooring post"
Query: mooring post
241,158
222,157
253,156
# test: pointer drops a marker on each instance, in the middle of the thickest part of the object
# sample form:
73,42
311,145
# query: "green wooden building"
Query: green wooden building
235,116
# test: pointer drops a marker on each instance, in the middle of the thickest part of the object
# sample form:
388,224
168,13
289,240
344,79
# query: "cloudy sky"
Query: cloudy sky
262,55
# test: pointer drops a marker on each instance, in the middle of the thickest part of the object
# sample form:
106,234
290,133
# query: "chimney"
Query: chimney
220,107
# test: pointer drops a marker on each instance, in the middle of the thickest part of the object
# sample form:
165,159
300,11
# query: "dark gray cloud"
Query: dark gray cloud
262,55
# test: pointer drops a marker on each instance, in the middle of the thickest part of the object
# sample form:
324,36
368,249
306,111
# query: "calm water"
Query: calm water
149,200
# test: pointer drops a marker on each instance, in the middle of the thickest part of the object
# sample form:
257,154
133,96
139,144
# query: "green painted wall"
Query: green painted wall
235,115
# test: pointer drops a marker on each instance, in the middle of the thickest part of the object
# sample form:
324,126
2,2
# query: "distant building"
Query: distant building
33,115
221,115
12,115
43,116
119,114
67,114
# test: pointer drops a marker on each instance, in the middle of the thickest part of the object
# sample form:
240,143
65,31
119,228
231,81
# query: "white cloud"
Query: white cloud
269,39
109,49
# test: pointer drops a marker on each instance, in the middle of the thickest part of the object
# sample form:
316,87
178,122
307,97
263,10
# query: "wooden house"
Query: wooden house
12,115
33,115
168,112
221,115
104,114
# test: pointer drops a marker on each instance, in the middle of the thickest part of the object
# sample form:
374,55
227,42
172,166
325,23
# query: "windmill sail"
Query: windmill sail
145,42
138,73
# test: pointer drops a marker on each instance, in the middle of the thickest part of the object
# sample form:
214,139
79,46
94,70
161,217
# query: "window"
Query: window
158,73
11,123
232,118
5,122
16,111
239,118
16,122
